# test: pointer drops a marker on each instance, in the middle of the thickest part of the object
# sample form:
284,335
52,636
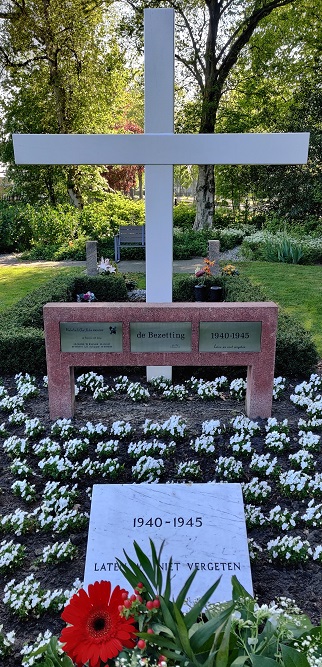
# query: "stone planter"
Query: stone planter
215,293
200,293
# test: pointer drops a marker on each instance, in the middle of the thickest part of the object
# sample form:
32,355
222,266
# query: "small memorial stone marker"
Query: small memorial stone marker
214,255
91,258
202,526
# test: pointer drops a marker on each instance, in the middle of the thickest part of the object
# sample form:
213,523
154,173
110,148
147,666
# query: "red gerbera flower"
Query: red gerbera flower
96,631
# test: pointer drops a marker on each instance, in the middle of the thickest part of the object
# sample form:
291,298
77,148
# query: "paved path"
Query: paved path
130,266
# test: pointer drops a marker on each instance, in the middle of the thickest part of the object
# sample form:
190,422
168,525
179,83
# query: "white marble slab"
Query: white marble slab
203,527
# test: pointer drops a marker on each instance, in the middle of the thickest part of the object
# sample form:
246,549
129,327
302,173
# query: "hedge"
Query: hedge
296,353
22,347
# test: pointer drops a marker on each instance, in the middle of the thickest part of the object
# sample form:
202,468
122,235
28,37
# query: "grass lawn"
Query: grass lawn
17,281
297,288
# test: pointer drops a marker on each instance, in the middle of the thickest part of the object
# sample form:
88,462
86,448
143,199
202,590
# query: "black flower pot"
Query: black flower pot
215,293
200,293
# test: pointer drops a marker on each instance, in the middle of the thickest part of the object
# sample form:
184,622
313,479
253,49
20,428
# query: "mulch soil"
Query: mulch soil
302,583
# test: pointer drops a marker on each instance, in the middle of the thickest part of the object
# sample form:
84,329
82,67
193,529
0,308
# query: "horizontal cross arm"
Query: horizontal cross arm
158,149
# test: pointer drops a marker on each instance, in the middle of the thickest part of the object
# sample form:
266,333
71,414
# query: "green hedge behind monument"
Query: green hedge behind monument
22,345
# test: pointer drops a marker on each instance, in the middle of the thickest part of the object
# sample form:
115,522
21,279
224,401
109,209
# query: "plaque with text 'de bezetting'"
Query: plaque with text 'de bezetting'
202,527
91,337
230,336
160,336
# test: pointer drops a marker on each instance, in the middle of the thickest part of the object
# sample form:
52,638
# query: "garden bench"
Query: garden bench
129,236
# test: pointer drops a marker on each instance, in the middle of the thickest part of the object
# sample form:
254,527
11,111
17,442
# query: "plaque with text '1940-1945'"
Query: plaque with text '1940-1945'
91,337
230,336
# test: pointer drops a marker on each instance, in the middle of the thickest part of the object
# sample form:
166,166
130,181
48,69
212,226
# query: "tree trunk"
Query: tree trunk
73,189
205,197
140,178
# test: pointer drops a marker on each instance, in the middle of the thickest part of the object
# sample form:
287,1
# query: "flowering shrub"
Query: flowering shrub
278,387
107,448
175,392
189,469
14,446
254,516
11,555
264,465
282,518
313,515
289,549
228,468
89,381
237,389
63,428
7,640
58,552
148,469
154,448
204,444
137,392
255,490
24,490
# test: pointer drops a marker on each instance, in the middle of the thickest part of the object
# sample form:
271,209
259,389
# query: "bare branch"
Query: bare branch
192,69
8,62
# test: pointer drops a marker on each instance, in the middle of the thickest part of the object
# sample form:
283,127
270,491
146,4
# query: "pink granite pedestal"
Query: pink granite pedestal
60,365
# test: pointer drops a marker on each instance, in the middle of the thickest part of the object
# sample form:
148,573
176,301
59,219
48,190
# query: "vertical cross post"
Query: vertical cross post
159,118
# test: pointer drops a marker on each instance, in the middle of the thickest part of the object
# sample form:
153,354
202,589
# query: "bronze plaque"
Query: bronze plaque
160,336
230,336
91,337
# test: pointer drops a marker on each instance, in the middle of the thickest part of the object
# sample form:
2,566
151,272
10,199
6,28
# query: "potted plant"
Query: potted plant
201,272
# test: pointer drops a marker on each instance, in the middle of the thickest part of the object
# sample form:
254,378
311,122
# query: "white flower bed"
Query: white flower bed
93,452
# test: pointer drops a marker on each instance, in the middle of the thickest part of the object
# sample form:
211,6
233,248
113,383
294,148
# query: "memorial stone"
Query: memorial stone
214,255
202,526
91,258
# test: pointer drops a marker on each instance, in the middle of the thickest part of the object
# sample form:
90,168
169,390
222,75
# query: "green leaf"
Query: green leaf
167,590
260,661
184,590
159,640
156,564
182,632
139,575
158,628
300,625
293,658
193,614
167,617
145,563
201,636
223,651
238,590
240,661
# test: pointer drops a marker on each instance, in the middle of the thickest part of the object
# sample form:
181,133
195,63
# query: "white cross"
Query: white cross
159,149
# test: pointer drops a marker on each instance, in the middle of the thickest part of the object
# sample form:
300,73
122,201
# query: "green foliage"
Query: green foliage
49,655
296,354
183,286
60,232
15,228
184,215
22,350
232,634
22,345
82,89
282,247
